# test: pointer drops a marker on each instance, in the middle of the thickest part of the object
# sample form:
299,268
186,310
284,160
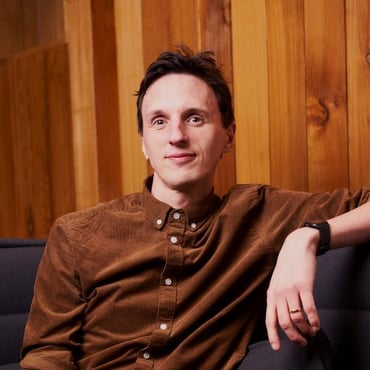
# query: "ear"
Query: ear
143,148
230,137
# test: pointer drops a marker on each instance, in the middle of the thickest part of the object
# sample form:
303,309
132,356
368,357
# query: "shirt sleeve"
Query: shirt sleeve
51,339
284,210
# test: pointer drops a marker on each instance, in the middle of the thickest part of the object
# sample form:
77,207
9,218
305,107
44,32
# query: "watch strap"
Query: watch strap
324,230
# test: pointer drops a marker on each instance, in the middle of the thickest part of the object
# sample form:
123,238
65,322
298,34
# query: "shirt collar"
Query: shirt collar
157,212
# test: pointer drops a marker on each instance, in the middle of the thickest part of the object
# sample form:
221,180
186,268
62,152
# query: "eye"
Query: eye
195,120
158,123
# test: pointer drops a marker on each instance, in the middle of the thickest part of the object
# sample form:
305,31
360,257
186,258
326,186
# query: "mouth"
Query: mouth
181,157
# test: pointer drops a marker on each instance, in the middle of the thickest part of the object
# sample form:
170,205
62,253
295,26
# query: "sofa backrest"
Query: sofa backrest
342,294
19,259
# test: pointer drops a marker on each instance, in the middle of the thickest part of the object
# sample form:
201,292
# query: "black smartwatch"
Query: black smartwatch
324,230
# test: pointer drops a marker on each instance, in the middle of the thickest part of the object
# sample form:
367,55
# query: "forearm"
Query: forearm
350,228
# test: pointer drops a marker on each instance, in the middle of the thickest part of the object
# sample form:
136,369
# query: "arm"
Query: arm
290,295
50,338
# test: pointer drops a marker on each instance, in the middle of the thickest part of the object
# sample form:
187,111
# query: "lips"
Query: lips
181,157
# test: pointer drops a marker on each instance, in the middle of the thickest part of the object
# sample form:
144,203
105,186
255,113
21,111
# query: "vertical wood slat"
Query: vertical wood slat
130,72
42,142
106,99
32,186
251,91
285,25
77,15
30,24
326,95
215,18
51,21
167,23
11,29
7,194
59,128
358,73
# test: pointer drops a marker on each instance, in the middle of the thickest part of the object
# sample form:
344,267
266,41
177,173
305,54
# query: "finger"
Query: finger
309,307
291,320
272,327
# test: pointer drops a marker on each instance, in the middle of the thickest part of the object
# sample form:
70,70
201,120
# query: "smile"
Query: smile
181,157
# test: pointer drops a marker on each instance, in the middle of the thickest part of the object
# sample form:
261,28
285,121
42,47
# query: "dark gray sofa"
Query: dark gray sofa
342,294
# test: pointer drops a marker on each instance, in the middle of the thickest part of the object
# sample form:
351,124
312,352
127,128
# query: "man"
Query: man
175,277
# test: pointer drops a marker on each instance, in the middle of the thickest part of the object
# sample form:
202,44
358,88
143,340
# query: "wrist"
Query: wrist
323,229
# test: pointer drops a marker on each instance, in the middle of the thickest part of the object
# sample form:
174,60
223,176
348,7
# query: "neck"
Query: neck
182,196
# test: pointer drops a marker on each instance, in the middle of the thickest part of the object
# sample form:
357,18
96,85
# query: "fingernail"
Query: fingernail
274,346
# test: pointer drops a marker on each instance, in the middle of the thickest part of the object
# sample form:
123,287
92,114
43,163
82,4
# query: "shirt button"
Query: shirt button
146,355
176,215
163,326
159,221
193,225
173,239
168,281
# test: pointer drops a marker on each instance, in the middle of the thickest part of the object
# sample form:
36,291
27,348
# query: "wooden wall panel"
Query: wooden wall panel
106,99
251,91
7,195
358,73
299,70
78,33
286,80
32,187
41,137
326,95
130,72
11,29
59,130
167,23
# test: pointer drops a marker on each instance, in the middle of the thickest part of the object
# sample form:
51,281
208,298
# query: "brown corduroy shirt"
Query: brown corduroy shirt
135,284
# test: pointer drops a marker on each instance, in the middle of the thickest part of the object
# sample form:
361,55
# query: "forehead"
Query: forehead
175,89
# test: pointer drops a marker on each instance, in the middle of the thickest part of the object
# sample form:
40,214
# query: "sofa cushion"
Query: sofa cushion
19,262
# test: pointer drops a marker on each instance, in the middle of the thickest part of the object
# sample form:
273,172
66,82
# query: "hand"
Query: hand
290,301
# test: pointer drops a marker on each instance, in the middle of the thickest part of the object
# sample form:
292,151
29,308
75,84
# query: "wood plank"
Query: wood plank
106,99
59,129
358,64
326,95
167,23
286,62
7,194
130,72
251,91
11,28
78,35
51,21
30,23
215,19
32,185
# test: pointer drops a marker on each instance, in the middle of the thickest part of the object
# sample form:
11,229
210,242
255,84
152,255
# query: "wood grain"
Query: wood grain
130,72
251,91
326,95
7,194
358,72
79,38
106,99
286,80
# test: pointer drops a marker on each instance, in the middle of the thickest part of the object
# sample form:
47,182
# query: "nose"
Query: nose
177,133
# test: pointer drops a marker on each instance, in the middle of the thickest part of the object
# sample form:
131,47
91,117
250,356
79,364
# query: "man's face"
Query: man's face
183,136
